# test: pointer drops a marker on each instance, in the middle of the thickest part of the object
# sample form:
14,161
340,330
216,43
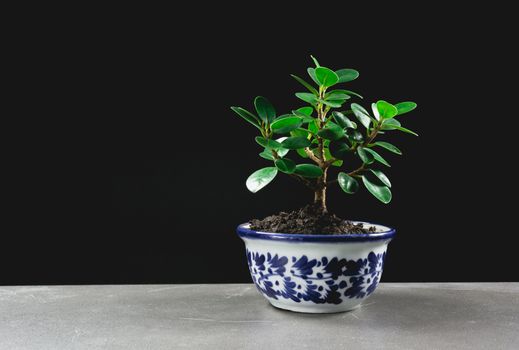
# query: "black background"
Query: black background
158,196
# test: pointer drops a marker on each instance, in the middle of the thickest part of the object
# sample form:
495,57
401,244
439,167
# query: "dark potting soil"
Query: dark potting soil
308,220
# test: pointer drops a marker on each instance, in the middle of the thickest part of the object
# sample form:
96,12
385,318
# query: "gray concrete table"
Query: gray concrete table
235,316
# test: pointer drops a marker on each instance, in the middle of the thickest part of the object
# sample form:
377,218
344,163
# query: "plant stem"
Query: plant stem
351,173
320,159
358,170
312,156
320,192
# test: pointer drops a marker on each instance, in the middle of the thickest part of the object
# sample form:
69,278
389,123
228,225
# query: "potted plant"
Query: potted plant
309,260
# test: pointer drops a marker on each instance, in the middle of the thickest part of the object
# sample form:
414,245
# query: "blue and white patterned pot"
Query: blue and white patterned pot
316,273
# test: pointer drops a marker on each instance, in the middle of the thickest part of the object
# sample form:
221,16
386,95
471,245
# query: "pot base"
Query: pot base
313,309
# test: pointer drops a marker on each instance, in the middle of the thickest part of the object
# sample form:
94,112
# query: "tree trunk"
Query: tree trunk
320,193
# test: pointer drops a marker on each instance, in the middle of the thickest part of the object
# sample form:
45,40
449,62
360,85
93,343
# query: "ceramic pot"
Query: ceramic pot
316,273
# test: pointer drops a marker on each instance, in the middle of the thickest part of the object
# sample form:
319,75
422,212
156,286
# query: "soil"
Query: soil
308,220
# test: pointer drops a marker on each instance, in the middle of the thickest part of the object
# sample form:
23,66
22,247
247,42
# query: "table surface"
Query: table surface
235,316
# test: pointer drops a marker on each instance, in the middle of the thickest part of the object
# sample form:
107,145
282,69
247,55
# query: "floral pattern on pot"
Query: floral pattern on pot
321,280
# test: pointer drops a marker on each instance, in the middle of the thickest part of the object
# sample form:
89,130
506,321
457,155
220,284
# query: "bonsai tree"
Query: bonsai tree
324,135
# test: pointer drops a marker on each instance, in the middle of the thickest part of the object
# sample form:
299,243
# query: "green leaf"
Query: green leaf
307,97
393,124
336,101
336,95
265,110
382,177
354,135
346,75
339,150
248,116
331,103
366,157
267,154
308,170
331,132
390,124
374,109
404,107
302,153
377,156
261,178
382,193
295,142
299,132
304,118
386,109
343,120
285,165
283,116
326,76
268,143
347,183
305,84
315,61
388,146
282,151
311,73
349,92
406,130
284,125
361,114
305,110
313,127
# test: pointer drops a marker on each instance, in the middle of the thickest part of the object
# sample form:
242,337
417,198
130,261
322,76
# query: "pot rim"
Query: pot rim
244,231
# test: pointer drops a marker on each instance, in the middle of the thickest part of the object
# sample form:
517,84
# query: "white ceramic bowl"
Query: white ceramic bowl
316,273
